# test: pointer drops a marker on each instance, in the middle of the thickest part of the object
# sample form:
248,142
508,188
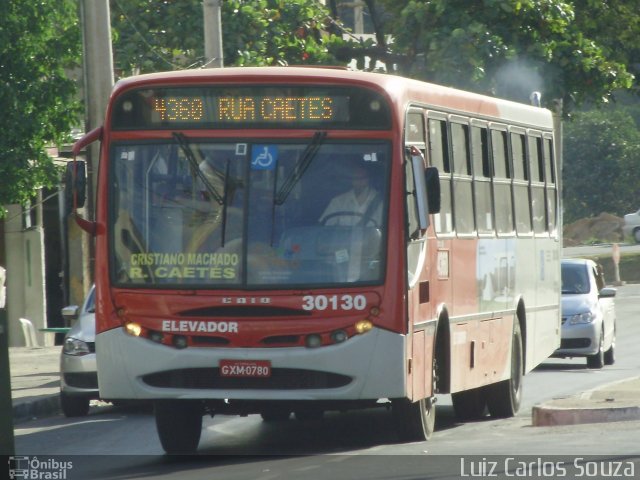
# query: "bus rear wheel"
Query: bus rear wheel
415,421
503,398
179,425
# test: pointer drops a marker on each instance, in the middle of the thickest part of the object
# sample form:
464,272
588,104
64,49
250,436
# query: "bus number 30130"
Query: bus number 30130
334,302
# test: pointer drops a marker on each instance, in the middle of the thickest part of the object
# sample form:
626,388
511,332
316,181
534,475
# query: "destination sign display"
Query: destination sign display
255,106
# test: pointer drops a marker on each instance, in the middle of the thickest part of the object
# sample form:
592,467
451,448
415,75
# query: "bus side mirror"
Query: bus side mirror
75,185
432,179
420,185
76,181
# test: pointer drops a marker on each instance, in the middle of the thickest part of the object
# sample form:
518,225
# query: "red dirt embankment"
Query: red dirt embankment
605,228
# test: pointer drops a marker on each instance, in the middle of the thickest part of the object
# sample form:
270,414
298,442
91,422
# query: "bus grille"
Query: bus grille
280,379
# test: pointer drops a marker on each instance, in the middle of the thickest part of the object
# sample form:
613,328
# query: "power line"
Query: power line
152,48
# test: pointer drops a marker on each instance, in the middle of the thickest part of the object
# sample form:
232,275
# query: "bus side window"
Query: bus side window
520,184
482,179
502,182
550,182
439,157
536,164
462,187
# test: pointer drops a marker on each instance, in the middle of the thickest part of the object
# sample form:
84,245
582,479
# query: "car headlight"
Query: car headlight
73,346
586,317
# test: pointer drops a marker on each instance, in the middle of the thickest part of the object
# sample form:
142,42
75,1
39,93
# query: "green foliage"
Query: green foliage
255,33
511,47
37,99
601,154
152,35
570,51
276,32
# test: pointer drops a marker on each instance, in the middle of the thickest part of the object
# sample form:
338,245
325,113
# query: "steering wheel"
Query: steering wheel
364,218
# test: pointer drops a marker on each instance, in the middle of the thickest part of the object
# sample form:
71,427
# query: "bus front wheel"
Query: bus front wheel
415,421
469,404
179,425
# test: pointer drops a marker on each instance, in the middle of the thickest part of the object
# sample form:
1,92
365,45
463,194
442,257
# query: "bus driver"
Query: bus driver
360,205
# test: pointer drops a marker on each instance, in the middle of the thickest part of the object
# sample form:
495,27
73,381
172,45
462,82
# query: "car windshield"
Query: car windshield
575,279
196,213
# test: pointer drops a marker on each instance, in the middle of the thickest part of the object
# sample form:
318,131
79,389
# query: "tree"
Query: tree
510,47
601,153
573,51
614,25
154,36
37,99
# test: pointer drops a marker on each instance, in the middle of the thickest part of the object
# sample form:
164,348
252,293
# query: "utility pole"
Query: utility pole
6,419
212,14
98,82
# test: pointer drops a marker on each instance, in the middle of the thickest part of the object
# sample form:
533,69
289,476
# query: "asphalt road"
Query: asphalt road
122,444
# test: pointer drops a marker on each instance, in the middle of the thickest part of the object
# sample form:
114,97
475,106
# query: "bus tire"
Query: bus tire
275,415
414,421
469,404
179,425
309,415
504,398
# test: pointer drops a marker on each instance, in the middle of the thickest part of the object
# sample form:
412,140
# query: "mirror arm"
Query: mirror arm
87,225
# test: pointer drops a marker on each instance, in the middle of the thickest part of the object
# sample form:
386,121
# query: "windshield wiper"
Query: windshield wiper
183,142
294,177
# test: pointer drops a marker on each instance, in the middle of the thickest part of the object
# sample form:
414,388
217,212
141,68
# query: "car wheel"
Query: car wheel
636,235
597,360
74,405
610,354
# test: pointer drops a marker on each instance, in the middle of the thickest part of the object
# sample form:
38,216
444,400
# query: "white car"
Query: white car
78,370
631,227
588,314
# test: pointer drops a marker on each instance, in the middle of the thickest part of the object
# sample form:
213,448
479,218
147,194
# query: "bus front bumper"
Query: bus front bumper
368,366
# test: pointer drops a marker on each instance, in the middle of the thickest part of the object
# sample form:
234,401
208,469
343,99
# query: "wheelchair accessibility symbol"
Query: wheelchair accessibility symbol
264,157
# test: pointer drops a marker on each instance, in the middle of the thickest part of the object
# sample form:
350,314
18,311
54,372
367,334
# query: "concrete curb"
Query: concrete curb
40,407
615,402
545,416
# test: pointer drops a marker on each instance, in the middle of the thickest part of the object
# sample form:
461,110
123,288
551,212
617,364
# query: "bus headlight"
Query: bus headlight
339,336
363,326
133,329
156,337
313,341
180,341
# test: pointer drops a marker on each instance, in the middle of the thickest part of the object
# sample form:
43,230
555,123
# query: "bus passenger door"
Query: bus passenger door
420,329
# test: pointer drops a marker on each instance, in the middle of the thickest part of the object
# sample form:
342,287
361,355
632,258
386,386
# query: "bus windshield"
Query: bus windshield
199,213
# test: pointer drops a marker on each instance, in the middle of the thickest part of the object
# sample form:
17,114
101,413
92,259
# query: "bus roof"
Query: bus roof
401,91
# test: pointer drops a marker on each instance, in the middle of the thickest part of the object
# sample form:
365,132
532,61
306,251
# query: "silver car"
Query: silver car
588,314
78,372
631,227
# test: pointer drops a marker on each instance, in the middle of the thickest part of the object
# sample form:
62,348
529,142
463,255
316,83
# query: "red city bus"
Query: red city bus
277,240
